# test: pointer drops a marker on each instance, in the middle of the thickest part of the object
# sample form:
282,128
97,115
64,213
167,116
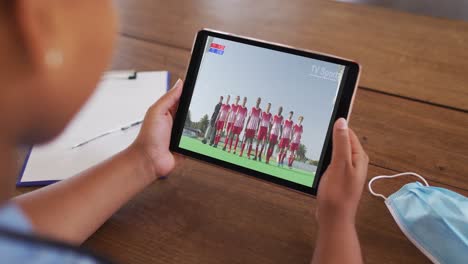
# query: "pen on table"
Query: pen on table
132,125
107,133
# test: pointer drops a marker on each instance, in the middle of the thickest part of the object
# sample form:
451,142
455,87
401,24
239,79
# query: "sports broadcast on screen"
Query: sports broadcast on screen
262,109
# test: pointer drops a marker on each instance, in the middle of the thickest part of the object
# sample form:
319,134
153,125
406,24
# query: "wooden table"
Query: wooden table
410,113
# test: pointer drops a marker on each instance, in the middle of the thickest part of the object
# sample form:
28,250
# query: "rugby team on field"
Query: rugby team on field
262,126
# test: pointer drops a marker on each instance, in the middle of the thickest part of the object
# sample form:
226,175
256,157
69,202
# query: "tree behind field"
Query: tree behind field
188,120
203,123
301,152
313,162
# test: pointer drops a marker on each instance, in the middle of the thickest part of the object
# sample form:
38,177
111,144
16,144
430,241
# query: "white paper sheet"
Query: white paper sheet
115,104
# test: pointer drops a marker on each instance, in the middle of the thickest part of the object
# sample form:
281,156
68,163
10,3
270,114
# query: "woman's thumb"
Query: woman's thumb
341,144
171,97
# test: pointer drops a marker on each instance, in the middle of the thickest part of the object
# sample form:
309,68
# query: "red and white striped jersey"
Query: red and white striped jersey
266,119
223,112
240,116
277,123
254,118
287,129
232,113
297,133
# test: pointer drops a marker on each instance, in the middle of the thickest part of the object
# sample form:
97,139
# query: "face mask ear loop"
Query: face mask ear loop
369,186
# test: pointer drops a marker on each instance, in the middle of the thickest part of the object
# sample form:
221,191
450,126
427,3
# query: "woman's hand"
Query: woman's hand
130,171
155,134
341,186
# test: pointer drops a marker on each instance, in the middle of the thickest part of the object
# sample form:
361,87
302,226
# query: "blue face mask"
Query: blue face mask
434,219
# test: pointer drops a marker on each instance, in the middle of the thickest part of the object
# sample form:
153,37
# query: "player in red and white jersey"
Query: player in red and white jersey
275,131
285,139
238,125
252,126
230,120
296,140
221,120
265,126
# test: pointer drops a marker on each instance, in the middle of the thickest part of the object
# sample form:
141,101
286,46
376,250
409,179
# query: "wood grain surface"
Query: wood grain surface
411,114
206,214
413,56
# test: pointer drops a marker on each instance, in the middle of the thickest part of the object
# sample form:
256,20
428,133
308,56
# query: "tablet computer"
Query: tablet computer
263,109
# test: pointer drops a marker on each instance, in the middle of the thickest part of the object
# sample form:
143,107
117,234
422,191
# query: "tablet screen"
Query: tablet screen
262,109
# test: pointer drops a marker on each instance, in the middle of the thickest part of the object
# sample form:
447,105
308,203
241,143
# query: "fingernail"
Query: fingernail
178,83
341,123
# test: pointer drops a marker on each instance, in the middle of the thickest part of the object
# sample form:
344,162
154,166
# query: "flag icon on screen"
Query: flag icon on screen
217,48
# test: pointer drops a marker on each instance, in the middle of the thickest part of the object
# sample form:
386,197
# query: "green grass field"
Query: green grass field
295,175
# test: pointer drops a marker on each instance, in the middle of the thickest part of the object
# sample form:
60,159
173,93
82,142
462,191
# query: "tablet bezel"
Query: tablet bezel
342,107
